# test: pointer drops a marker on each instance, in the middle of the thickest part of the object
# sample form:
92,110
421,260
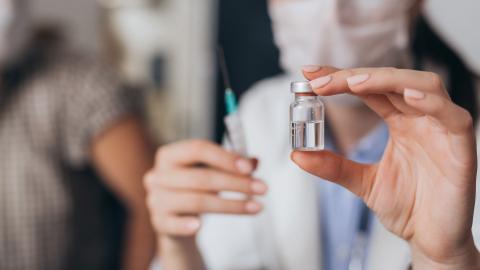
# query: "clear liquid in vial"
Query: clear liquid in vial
307,136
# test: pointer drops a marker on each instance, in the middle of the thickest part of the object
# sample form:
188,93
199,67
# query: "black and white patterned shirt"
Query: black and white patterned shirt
46,131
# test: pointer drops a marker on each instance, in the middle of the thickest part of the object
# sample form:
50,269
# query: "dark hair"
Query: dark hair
427,45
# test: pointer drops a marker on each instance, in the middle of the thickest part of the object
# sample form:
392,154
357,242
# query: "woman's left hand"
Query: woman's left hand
423,188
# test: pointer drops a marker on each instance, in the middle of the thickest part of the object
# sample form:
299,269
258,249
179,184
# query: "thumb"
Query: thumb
356,177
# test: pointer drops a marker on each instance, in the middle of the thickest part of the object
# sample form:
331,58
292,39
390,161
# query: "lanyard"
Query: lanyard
360,242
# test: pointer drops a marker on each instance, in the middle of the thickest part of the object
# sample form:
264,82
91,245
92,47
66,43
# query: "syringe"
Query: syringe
236,141
235,135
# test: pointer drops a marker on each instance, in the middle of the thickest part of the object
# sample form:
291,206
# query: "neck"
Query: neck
349,124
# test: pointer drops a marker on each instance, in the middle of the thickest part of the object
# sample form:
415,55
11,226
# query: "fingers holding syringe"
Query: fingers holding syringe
312,72
180,194
189,179
200,179
180,216
201,152
177,213
194,203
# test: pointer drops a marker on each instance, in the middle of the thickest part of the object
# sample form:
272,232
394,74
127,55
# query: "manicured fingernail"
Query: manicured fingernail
311,68
253,207
357,79
192,225
320,82
413,94
258,187
244,166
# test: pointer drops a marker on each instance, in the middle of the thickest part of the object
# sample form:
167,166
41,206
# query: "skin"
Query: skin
185,184
122,155
422,182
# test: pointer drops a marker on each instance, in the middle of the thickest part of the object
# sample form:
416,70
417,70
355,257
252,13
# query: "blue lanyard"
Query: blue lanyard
359,248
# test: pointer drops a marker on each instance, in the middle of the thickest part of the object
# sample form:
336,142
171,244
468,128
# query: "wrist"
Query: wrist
180,253
176,244
466,258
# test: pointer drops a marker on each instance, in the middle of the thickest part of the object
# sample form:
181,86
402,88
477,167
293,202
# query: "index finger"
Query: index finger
377,81
201,152
312,72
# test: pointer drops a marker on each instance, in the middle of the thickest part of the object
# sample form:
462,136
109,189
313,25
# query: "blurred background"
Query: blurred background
168,49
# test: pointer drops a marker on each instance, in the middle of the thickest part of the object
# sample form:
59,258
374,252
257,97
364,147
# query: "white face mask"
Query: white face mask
341,33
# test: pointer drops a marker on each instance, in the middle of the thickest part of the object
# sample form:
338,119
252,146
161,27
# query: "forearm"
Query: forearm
122,155
180,254
139,243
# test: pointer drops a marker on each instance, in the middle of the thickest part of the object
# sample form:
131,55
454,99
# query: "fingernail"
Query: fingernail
357,79
258,187
320,82
253,207
311,68
244,166
193,225
413,94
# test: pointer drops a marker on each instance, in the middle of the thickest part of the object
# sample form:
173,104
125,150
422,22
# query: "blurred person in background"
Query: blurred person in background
419,193
73,157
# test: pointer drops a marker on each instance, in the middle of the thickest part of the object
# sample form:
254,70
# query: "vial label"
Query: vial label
307,136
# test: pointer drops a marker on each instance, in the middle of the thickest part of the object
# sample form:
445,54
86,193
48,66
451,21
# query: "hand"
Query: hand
186,182
423,188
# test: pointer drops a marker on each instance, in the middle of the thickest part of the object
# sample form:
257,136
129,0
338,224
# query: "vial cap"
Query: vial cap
301,87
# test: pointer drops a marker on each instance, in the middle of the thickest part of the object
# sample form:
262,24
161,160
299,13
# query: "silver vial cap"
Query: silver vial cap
301,87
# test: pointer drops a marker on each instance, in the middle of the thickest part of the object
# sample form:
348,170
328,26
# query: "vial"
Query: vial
306,119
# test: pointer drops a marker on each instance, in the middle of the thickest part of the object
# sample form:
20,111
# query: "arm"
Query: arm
122,155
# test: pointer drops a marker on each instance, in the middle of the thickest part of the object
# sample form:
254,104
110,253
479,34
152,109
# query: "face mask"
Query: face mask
341,33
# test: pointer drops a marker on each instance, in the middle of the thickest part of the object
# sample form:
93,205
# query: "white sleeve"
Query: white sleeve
476,218
476,215
239,242
228,242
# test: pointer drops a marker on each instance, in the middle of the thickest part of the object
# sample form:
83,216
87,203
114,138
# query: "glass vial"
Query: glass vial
306,119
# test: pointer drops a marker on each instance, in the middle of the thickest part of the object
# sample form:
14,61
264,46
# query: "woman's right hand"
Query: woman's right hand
187,180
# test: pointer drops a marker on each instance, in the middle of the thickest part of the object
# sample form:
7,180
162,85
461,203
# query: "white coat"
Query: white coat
286,235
